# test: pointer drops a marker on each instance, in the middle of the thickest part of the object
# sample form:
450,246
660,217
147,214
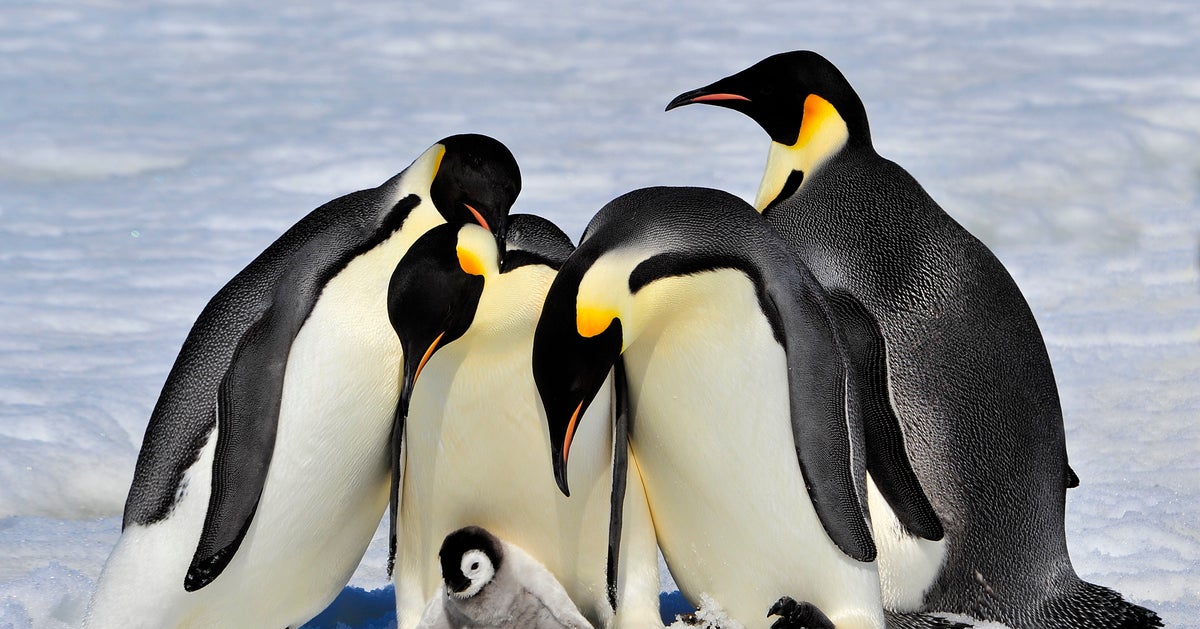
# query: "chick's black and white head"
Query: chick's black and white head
470,558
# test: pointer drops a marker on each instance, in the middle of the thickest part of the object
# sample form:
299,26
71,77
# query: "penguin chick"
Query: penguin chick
488,583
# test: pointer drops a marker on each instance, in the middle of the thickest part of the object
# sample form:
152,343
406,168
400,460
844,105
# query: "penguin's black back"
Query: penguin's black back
532,239
972,383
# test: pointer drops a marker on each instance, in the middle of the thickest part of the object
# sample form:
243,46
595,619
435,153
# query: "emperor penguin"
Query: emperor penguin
471,444
946,344
488,582
264,470
748,444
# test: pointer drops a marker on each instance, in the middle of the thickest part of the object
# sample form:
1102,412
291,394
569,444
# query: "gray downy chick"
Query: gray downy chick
489,583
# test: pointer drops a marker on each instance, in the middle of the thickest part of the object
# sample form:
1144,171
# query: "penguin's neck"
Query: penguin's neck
823,132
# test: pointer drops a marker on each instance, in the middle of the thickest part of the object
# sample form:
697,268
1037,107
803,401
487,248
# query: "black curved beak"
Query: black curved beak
710,95
569,369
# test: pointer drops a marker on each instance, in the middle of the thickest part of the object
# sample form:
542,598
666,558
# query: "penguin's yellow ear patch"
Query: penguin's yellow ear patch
437,161
593,321
476,249
817,111
470,262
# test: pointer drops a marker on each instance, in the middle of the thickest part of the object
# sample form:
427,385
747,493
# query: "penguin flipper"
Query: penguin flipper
887,460
822,426
396,495
620,474
248,402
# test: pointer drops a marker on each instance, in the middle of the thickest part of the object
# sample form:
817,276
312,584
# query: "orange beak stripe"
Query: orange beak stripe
708,98
428,353
478,216
571,433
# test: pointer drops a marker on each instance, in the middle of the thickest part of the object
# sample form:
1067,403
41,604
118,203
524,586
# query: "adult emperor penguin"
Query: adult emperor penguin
488,582
945,341
473,446
747,442
264,470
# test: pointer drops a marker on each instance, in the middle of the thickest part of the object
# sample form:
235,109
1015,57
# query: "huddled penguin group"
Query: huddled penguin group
831,409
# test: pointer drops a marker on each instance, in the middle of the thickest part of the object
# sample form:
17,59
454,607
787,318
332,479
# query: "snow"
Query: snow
148,151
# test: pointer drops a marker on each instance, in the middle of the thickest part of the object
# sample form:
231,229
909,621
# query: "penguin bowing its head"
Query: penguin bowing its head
469,439
743,425
281,399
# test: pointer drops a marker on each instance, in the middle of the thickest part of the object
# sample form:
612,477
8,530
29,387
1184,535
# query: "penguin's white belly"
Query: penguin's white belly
327,485
713,439
478,453
325,491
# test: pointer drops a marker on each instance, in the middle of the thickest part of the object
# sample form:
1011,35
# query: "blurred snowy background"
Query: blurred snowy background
149,150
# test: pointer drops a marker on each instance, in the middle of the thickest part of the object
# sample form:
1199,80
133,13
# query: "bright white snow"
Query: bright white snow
148,151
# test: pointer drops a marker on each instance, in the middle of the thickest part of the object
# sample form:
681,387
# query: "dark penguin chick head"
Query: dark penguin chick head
477,181
470,558
781,91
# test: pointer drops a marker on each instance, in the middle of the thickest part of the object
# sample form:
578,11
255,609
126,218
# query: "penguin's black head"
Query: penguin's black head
470,558
571,359
477,182
629,273
434,294
782,91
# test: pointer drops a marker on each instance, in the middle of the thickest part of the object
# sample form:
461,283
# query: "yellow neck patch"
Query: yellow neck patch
593,321
470,262
823,132
476,248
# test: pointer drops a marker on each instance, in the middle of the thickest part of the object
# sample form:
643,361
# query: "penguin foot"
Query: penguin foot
793,615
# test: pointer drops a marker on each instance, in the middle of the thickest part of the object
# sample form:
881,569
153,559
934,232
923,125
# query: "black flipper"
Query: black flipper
824,426
394,496
887,460
620,472
300,263
1072,478
248,402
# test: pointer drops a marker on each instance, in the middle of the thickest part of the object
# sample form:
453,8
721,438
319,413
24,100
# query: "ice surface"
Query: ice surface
149,151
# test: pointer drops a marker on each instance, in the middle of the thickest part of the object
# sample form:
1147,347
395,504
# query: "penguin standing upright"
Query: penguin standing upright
945,342
264,469
747,441
471,443
490,583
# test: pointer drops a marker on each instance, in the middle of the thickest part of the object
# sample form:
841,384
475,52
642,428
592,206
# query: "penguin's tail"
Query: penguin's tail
1095,606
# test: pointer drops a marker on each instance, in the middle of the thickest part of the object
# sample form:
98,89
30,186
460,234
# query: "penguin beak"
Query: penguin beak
457,585
499,229
569,370
705,95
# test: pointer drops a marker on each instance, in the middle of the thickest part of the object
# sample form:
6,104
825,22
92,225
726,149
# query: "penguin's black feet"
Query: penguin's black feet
793,615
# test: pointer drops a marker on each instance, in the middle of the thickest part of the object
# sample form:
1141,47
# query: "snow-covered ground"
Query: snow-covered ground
149,150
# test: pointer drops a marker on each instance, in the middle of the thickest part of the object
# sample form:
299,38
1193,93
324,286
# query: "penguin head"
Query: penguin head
477,181
435,292
781,91
632,272
470,558
805,105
